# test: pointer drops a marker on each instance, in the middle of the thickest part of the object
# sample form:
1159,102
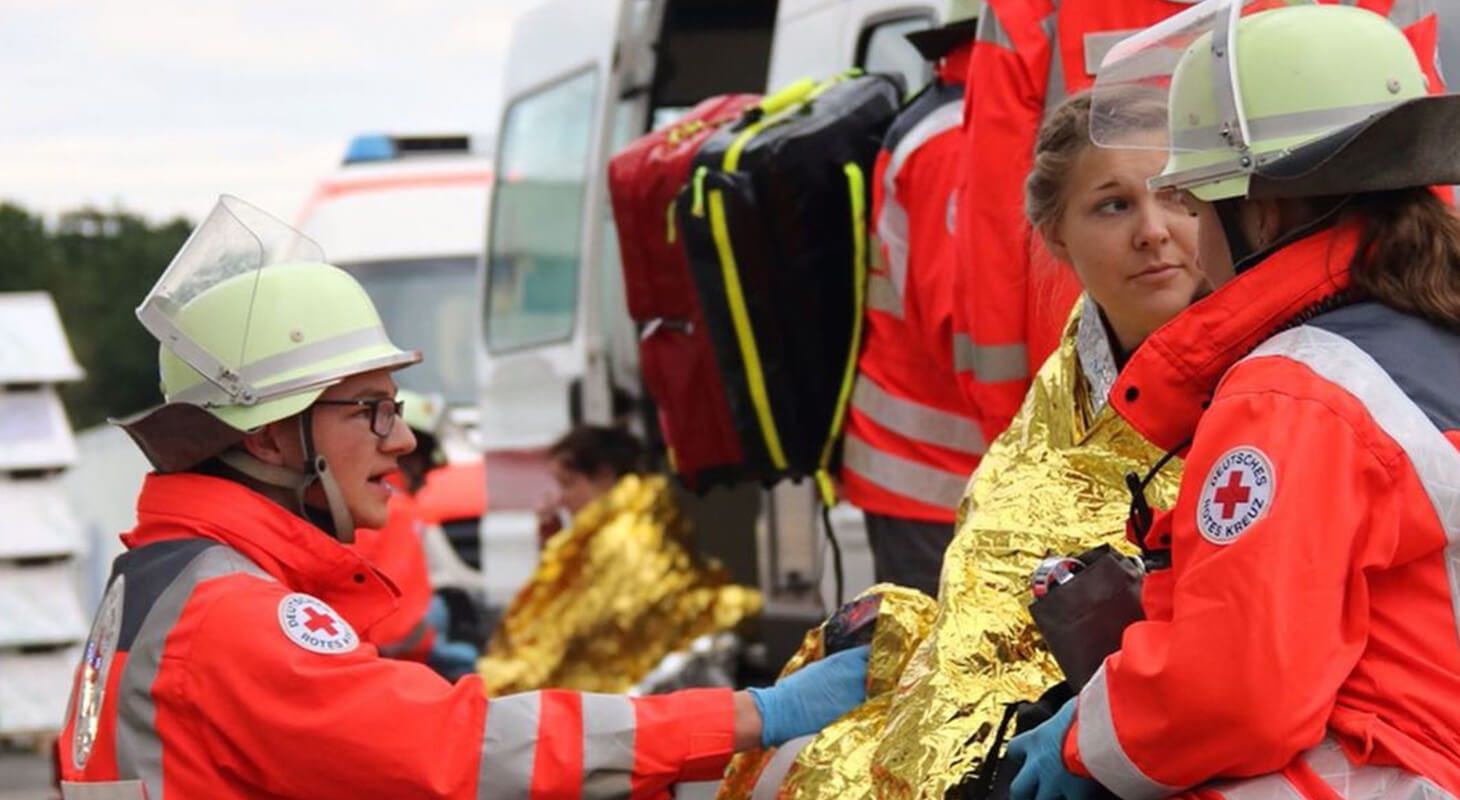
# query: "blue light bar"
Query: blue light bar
370,147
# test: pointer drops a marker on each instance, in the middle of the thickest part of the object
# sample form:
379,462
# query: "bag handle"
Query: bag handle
784,98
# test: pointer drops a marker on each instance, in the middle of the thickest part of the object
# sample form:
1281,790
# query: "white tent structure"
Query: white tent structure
41,619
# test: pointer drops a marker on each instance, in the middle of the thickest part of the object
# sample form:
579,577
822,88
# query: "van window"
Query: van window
537,215
885,48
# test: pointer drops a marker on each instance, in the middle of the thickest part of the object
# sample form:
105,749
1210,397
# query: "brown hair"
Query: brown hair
1065,134
590,449
1409,254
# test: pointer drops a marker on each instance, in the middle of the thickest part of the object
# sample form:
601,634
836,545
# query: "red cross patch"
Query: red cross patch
1235,495
313,625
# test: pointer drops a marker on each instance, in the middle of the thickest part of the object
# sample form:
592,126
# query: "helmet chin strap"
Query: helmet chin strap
298,482
1246,255
1229,212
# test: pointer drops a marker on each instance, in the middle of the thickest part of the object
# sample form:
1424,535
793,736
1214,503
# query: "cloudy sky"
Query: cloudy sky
160,105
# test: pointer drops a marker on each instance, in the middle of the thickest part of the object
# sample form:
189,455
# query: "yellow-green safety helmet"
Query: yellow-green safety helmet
423,413
253,327
1281,99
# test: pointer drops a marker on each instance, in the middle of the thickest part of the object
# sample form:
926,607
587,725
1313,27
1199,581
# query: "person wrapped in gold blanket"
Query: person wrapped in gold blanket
613,594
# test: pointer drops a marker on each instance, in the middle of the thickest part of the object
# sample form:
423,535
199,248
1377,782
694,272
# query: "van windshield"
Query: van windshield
428,304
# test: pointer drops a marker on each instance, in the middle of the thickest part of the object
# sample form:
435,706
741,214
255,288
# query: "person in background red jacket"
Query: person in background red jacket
419,628
1304,641
1031,55
395,549
224,661
911,438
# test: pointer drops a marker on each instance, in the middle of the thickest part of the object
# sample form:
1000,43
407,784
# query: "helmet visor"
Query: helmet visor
1134,79
233,245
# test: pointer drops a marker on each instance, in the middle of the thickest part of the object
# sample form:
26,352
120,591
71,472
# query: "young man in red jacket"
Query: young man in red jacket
225,659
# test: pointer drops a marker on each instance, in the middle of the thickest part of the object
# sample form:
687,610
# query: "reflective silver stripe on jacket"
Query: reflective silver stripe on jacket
406,643
509,746
903,476
1405,12
1055,90
882,295
990,363
608,745
106,790
1099,43
139,748
1435,460
991,31
1346,779
1101,751
921,423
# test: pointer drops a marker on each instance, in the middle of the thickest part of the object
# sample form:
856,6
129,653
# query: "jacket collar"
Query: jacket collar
1096,357
953,68
296,553
1170,379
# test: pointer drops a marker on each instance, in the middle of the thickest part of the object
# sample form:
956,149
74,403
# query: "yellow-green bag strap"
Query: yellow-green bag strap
856,189
744,334
782,99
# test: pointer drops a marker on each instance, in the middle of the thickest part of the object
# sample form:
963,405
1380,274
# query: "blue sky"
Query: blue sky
160,105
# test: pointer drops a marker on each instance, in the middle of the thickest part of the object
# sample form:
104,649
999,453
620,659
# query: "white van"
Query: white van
582,80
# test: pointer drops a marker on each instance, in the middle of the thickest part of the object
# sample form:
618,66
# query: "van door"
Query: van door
534,293
541,232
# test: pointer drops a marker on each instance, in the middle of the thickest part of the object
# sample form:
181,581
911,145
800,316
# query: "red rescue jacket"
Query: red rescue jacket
912,439
1307,635
396,551
224,663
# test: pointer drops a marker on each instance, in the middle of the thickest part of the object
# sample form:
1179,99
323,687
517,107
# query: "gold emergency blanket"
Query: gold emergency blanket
1052,484
612,595
904,617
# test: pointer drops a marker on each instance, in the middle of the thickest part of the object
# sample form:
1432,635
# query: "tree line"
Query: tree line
98,265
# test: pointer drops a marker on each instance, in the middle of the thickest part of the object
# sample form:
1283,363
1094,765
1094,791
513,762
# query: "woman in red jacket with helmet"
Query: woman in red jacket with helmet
1305,641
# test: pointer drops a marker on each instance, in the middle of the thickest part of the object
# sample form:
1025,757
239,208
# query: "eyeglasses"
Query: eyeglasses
384,411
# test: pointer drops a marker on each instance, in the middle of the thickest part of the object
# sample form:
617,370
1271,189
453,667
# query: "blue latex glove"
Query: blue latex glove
438,615
1043,776
451,659
811,698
